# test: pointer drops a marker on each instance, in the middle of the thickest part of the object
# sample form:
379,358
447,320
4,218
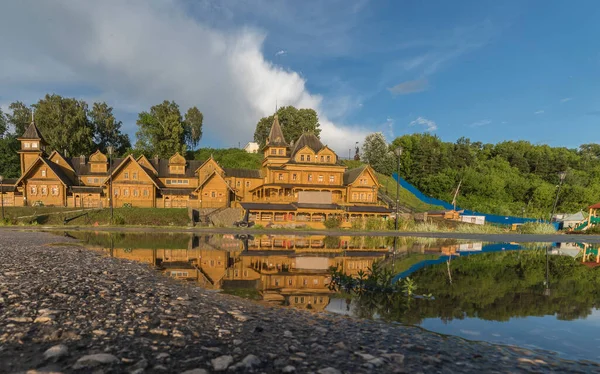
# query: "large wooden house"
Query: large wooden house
302,181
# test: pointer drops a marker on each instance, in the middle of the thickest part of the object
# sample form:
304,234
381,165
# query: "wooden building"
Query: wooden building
297,183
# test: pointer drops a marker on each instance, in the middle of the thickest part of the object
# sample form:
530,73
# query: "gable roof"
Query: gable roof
67,163
32,133
52,166
128,159
351,175
210,177
242,173
276,138
310,140
146,162
579,216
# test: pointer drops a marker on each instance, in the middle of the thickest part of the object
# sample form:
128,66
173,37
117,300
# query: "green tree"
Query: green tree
10,166
376,153
293,123
20,117
65,124
3,124
161,131
193,127
107,130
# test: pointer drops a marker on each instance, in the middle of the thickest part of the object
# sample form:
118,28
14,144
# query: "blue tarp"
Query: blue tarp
491,218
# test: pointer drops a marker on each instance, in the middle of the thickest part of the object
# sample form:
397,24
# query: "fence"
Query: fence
491,218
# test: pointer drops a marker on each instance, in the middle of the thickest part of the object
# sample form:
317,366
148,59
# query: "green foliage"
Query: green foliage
9,158
118,219
127,205
3,124
20,117
503,178
333,222
107,130
377,154
230,158
193,127
161,130
293,123
537,228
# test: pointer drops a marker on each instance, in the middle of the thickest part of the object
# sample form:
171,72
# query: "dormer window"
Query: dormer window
301,157
34,145
308,158
281,152
273,151
328,158
26,145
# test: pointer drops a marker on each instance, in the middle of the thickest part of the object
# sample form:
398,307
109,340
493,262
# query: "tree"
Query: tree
3,124
376,152
20,117
193,127
65,124
10,166
293,123
161,131
107,130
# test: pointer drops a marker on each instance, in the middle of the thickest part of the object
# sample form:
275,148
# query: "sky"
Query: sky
487,70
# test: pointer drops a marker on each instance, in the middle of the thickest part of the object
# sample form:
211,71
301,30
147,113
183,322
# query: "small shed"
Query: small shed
477,220
571,220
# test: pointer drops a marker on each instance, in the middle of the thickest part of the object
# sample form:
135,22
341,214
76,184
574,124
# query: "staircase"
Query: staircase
392,203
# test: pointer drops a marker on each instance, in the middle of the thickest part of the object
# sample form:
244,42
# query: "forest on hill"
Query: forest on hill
507,178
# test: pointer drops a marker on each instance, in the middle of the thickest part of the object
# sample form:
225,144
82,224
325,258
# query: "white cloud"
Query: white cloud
408,87
136,54
427,123
480,123
566,99
281,52
539,112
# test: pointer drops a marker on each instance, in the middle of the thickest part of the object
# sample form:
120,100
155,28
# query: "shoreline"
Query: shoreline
508,237
121,316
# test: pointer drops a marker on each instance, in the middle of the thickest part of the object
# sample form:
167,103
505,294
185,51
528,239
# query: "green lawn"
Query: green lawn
122,216
388,185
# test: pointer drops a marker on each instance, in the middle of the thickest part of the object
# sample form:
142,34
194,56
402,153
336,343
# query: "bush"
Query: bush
537,228
127,205
333,222
118,220
38,203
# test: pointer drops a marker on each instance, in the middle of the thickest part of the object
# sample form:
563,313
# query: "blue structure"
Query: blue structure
488,248
491,218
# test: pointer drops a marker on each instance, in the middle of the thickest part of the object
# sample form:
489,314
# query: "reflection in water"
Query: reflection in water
531,294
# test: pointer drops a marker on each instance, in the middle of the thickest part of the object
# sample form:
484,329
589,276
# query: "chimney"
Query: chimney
82,160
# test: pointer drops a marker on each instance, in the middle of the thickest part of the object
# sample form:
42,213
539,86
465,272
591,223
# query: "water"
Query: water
535,295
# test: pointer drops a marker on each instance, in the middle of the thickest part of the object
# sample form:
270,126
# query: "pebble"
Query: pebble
329,370
221,363
98,359
288,334
195,371
288,369
56,352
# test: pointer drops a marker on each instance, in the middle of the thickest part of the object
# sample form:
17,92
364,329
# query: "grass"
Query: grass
388,185
537,228
98,217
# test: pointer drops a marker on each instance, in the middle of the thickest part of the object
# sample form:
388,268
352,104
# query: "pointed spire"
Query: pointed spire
32,132
276,137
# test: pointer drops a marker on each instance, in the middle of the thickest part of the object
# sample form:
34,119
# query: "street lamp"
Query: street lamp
2,194
110,150
561,176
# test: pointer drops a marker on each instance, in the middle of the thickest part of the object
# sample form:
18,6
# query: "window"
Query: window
290,281
33,190
307,157
236,273
145,193
96,180
301,157
34,145
273,151
369,197
247,183
281,151
44,190
328,158
126,192
322,158
136,193
90,180
310,177
238,183
116,192
305,282
362,196
315,282
126,175
213,194
354,196
26,145
134,175
168,181
294,177
43,172
320,178
331,179
54,190
280,177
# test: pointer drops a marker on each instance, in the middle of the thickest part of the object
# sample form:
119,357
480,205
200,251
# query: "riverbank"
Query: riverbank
508,237
87,312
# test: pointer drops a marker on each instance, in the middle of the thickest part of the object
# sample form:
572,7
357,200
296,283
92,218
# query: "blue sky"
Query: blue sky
490,71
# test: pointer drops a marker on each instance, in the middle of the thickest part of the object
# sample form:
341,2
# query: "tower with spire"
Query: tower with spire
276,149
33,145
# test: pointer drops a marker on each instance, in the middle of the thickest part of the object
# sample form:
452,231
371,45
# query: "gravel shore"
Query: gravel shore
67,309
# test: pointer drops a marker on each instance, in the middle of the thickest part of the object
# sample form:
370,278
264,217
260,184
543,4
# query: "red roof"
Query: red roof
595,206
591,264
